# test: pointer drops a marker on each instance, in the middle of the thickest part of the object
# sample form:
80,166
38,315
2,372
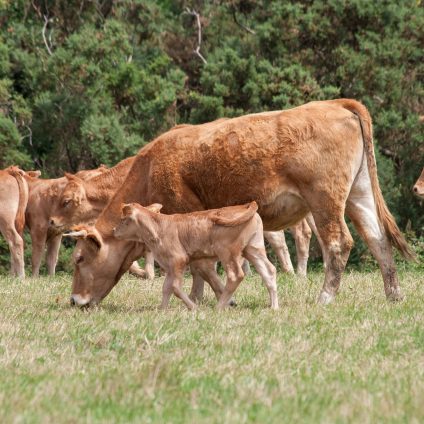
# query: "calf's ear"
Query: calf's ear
126,209
155,207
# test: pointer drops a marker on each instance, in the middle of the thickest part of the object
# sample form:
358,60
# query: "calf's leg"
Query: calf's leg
257,256
205,268
235,275
149,265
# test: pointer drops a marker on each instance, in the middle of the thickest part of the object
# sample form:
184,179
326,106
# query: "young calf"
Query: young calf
227,234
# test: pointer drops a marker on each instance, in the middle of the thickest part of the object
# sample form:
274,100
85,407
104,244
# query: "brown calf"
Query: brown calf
227,234
13,202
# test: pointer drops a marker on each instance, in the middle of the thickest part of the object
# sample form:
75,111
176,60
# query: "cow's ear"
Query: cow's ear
33,174
155,207
95,238
127,209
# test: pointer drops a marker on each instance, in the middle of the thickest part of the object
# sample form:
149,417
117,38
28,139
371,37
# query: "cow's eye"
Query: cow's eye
79,259
66,203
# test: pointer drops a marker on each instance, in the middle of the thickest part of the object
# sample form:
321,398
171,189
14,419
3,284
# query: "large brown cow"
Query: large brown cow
43,196
419,186
13,202
316,158
82,200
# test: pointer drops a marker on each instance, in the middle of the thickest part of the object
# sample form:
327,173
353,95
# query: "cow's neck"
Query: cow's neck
100,189
133,189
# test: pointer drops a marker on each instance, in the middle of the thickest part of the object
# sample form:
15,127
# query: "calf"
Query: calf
419,186
227,234
13,202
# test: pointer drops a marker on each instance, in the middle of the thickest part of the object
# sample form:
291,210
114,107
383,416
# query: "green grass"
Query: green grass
358,360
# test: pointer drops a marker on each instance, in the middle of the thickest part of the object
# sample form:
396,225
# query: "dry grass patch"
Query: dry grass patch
360,359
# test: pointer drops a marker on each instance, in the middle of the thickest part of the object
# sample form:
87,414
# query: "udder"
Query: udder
284,211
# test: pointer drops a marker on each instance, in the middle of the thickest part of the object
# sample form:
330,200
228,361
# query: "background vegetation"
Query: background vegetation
89,82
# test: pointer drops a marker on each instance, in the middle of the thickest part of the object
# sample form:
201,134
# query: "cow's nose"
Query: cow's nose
52,222
415,189
72,301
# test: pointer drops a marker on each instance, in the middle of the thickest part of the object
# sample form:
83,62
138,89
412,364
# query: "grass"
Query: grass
358,360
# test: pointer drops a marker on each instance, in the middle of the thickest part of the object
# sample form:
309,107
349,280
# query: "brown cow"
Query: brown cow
43,196
419,186
227,234
80,200
13,202
316,158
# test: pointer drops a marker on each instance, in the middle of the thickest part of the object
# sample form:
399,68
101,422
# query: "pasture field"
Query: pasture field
360,359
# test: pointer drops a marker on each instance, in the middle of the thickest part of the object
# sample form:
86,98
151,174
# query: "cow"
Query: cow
316,158
419,186
82,200
227,234
13,202
43,196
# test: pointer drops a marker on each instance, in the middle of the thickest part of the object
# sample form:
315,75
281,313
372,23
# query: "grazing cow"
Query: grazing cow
228,235
13,202
316,158
43,196
419,186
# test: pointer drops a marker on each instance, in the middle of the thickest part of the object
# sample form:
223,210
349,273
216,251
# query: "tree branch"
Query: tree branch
192,12
250,31
46,22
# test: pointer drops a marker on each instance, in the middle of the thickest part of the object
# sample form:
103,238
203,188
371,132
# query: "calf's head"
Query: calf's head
136,223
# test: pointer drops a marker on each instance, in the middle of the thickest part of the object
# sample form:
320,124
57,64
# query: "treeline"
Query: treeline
85,82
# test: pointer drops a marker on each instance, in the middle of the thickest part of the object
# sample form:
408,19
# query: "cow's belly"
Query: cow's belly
286,210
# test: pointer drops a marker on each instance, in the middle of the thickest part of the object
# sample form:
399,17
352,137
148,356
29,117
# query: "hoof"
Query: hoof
325,298
232,303
395,296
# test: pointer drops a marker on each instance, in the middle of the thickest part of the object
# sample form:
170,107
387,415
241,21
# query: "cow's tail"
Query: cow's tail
18,174
386,218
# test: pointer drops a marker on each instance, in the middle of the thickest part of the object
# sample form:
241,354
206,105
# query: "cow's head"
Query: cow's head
72,206
136,223
99,264
419,186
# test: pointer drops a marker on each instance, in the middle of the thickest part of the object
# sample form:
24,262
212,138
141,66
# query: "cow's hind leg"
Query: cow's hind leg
38,242
277,241
337,243
257,256
302,236
16,248
53,246
361,210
